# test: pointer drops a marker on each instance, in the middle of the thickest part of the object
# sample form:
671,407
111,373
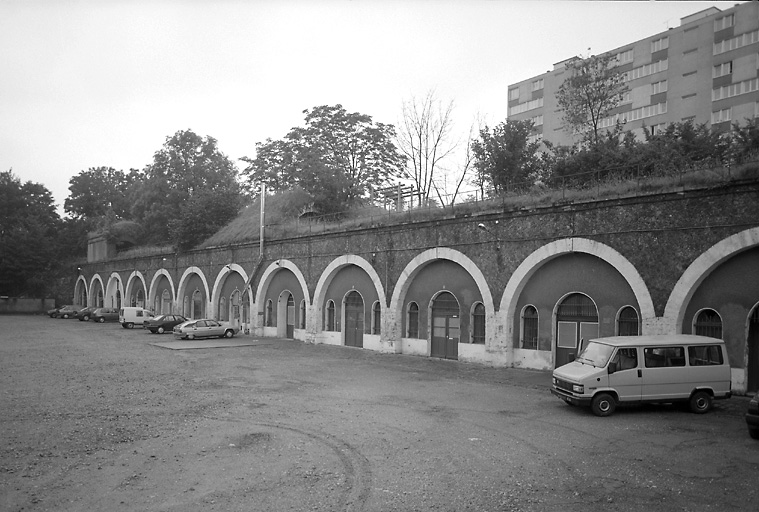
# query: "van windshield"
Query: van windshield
596,354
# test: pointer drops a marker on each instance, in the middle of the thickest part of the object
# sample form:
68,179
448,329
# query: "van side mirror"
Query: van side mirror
612,367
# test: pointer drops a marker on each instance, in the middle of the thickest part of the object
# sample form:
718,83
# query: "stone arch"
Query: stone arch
183,285
81,284
92,294
134,277
694,275
268,275
219,282
154,286
552,250
115,285
416,265
326,278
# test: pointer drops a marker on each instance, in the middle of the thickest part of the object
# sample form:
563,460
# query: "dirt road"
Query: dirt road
94,418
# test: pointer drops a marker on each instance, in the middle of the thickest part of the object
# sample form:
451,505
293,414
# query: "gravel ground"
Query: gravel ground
95,417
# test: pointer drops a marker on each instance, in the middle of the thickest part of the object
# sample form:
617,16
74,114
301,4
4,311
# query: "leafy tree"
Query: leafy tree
336,157
504,157
95,192
424,138
746,140
594,86
28,227
188,173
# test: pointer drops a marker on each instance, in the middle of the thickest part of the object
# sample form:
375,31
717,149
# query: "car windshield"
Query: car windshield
596,354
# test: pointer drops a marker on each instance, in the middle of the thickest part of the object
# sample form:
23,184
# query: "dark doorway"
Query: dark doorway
576,323
446,326
753,352
354,320
290,331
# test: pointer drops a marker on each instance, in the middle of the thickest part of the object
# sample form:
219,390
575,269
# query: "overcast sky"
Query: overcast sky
93,83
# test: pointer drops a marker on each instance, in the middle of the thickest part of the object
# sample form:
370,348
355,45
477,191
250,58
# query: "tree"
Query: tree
593,88
424,138
95,192
187,166
504,157
336,157
28,227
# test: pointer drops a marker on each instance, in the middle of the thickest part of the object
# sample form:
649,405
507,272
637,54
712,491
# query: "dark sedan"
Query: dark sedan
163,323
63,312
84,314
105,315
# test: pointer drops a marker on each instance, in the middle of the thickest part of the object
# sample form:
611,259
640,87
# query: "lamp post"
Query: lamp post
486,229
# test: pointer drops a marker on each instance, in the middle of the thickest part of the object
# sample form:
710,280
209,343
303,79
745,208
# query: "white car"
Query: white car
204,328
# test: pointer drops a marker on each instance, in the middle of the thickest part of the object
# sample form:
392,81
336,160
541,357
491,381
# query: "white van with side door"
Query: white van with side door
646,369
128,317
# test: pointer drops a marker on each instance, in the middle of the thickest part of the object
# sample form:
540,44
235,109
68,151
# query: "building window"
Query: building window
537,120
537,84
478,323
302,316
625,57
708,323
412,320
376,318
627,322
648,69
537,137
524,107
724,22
722,69
660,44
721,116
658,128
329,321
530,328
514,94
223,312
269,318
658,87
737,42
728,91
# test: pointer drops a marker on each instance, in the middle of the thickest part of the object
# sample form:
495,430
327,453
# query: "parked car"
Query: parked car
84,314
68,311
204,328
105,315
163,323
752,417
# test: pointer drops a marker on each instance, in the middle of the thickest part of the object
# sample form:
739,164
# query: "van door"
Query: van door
627,379
665,376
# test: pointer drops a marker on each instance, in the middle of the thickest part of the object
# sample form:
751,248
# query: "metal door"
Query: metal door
446,327
753,352
577,322
354,320
290,316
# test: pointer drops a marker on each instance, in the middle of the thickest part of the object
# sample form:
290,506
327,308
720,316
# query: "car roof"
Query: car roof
658,339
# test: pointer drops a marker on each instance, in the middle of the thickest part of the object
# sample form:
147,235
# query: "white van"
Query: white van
638,369
130,316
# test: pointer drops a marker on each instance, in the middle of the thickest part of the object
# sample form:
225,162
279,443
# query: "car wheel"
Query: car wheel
160,330
101,319
130,325
190,336
228,333
54,315
754,433
86,318
65,316
603,404
700,402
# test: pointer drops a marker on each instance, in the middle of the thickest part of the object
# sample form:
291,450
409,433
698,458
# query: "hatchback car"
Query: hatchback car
163,323
752,417
63,312
204,328
105,315
84,314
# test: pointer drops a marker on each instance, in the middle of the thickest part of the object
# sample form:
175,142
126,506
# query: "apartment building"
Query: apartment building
706,70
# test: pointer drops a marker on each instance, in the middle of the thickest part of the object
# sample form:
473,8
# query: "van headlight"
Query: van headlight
578,388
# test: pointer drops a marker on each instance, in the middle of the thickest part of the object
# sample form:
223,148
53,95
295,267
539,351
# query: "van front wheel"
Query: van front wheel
700,402
603,404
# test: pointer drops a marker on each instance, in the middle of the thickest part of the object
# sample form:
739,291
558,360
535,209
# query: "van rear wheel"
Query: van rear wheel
603,404
700,402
